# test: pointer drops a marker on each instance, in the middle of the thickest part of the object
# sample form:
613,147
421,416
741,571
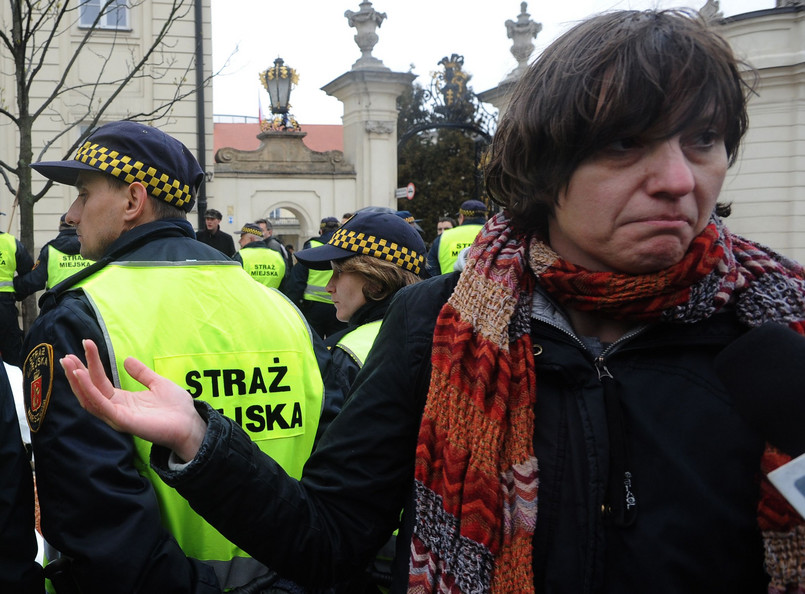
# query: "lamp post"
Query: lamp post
279,80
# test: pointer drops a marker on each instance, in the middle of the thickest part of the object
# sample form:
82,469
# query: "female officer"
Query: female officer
373,255
551,419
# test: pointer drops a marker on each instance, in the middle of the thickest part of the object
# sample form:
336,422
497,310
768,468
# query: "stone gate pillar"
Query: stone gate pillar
369,94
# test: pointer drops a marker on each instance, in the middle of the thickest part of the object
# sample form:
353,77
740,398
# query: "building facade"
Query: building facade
90,52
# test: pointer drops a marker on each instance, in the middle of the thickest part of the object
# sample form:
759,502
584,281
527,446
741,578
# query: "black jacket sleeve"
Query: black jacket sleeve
34,280
19,571
24,260
229,247
294,285
95,506
328,525
432,265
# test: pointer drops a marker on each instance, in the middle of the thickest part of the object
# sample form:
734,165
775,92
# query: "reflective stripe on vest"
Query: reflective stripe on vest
62,266
8,262
452,242
266,266
316,281
166,315
358,343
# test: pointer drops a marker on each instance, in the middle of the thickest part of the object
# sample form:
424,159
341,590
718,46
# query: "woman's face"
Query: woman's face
634,207
346,289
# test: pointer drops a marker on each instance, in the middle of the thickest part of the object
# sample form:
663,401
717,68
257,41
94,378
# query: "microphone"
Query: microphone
764,371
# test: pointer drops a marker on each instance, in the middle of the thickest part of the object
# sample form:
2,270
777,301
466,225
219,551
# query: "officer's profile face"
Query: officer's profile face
97,212
346,290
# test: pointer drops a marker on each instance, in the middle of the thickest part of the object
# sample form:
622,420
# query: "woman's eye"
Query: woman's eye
707,138
624,144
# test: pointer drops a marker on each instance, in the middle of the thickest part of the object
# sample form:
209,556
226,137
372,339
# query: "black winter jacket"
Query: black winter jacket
695,463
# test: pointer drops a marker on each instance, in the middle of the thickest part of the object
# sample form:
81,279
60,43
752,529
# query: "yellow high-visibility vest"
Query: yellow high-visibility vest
168,315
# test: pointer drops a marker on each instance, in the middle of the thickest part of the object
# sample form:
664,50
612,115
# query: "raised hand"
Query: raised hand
162,414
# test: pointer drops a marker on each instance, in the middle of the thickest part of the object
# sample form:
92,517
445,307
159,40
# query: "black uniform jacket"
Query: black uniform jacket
96,508
220,240
695,463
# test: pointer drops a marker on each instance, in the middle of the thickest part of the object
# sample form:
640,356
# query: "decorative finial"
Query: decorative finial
366,21
710,11
521,32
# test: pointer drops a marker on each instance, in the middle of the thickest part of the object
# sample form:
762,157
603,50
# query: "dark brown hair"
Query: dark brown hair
617,75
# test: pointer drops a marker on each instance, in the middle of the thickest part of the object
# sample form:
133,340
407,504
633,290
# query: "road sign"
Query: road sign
406,192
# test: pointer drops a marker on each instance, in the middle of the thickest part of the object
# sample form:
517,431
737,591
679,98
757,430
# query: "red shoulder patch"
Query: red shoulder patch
38,383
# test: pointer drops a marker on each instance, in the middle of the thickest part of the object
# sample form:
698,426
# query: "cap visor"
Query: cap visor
64,172
318,258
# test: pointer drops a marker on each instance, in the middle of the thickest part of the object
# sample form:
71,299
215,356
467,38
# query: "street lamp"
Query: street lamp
279,80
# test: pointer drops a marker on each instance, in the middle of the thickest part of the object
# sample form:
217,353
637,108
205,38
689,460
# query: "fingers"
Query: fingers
70,364
88,395
141,372
95,368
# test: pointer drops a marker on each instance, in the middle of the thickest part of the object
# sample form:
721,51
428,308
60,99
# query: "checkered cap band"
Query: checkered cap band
409,220
472,213
129,170
258,232
369,245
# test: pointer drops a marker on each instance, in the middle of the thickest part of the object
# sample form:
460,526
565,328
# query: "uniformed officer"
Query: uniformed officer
372,256
60,258
265,265
14,259
306,287
155,293
272,243
447,246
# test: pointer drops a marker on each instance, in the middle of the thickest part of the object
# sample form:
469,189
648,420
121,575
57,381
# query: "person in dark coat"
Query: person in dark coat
213,236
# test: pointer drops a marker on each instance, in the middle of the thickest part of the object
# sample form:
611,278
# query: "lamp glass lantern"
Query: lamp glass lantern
279,80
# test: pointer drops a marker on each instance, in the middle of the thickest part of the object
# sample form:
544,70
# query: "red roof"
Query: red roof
320,137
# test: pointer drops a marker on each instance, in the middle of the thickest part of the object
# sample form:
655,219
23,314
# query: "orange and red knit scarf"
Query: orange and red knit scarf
476,473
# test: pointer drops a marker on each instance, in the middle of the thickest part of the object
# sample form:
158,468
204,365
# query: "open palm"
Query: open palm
163,413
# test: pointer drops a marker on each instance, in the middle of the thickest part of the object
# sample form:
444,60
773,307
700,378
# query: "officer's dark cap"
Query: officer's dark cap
473,209
380,235
250,229
134,152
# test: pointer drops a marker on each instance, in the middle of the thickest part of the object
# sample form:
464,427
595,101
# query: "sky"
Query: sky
316,40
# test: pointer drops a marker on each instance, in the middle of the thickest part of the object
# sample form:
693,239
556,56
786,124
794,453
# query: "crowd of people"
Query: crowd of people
532,404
